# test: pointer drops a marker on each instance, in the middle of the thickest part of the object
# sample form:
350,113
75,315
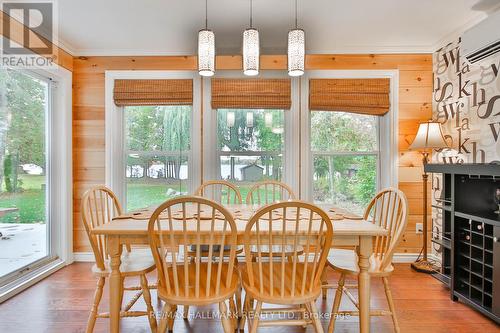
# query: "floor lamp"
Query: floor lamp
429,136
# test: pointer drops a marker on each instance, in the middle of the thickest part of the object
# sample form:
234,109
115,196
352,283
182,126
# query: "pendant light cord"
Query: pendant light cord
206,14
251,12
296,25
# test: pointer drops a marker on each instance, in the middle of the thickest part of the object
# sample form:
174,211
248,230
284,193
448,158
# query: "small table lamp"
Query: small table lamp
429,136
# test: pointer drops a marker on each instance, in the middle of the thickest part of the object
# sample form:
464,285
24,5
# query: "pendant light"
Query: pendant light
249,119
251,49
296,49
268,119
206,48
230,119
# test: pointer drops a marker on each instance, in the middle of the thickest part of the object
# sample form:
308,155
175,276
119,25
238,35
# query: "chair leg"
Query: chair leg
315,317
158,299
238,302
185,312
244,314
256,317
388,294
226,322
233,313
324,280
171,318
336,303
95,306
147,299
164,318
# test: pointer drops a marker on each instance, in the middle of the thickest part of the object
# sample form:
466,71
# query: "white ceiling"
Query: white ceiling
169,27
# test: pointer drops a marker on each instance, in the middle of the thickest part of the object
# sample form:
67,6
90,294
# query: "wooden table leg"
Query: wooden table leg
365,251
115,283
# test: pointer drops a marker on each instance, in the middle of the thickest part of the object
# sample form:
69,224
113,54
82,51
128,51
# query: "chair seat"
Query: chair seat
137,262
276,250
346,261
299,293
189,296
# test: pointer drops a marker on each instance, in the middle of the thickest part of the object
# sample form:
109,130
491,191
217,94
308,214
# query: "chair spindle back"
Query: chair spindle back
174,228
99,206
279,226
220,191
388,209
269,191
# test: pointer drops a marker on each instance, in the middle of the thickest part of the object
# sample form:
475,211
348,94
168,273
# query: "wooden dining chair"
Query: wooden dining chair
263,193
295,283
99,206
269,191
220,191
388,209
174,226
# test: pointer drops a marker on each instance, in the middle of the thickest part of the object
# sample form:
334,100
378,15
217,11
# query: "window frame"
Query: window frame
59,192
211,152
387,129
114,124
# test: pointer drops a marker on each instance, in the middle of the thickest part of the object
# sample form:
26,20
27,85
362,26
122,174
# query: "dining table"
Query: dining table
132,228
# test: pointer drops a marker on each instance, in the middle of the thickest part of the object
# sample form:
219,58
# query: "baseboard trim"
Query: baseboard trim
398,258
83,257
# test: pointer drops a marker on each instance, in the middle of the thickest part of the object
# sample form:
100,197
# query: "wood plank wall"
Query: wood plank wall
415,93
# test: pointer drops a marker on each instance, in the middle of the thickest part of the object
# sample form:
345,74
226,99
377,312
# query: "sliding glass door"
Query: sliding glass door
24,223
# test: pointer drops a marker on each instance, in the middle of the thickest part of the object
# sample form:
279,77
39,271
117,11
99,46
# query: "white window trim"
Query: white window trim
114,156
211,153
388,127
60,177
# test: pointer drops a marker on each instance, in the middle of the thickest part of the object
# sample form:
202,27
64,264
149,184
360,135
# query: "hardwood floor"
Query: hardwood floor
61,303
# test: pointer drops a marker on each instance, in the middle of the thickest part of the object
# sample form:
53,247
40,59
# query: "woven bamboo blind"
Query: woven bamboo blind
153,92
251,93
365,96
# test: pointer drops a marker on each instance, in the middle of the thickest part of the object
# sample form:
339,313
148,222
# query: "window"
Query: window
346,158
250,145
157,148
24,180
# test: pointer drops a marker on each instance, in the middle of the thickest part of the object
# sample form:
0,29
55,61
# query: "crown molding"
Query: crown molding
228,51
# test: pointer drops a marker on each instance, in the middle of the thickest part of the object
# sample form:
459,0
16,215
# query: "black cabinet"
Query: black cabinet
469,235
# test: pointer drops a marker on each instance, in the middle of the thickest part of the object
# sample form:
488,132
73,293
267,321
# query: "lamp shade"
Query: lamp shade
230,119
429,136
296,52
251,52
206,52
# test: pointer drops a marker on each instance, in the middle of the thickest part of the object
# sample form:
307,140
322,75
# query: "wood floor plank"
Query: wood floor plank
60,304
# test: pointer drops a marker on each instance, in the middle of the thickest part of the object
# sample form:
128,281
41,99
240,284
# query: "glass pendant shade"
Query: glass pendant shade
249,119
251,52
296,52
206,52
268,119
230,119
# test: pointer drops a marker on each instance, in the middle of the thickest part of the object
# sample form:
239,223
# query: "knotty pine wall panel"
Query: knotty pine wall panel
415,91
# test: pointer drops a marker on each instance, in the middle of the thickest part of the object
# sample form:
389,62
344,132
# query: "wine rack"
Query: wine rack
468,238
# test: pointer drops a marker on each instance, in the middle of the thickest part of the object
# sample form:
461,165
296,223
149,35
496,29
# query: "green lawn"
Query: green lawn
30,201
141,195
